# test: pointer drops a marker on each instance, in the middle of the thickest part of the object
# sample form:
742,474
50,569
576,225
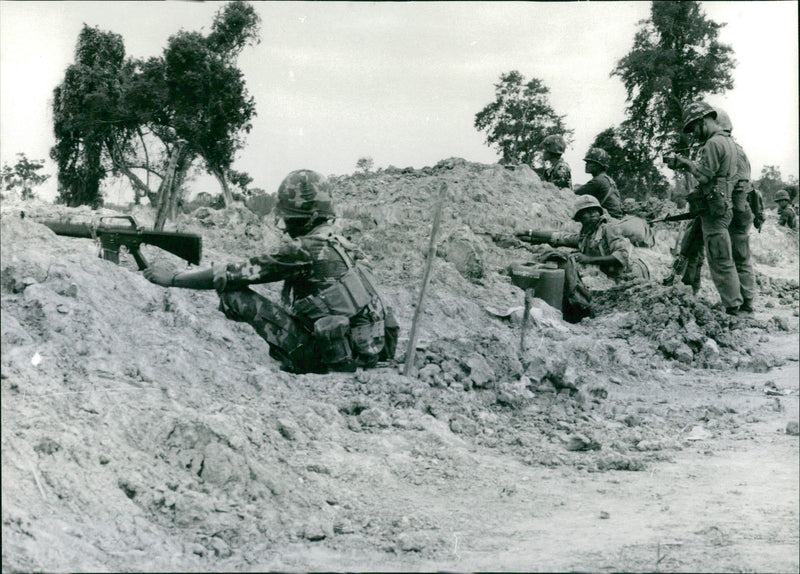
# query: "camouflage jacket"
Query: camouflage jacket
559,174
307,265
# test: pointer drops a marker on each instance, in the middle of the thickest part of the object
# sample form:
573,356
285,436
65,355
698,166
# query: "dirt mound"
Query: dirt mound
144,431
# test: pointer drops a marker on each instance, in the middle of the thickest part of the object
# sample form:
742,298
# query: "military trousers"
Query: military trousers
290,341
719,252
739,231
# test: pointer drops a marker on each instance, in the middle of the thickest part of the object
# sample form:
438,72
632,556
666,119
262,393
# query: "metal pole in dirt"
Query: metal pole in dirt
412,340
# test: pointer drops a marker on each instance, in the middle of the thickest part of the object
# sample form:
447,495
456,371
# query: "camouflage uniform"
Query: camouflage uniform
559,174
604,241
310,266
604,188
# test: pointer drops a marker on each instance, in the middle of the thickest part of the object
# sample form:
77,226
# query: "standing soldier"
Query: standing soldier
741,220
739,230
716,173
555,170
786,215
601,186
332,317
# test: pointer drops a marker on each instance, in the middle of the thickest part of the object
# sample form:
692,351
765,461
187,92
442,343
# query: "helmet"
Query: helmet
696,111
724,120
781,194
585,202
554,144
598,155
304,193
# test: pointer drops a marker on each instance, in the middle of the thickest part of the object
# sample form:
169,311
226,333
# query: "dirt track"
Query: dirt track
143,431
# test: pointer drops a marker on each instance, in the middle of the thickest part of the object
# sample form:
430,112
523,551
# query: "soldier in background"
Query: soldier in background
786,214
331,316
716,173
691,256
555,169
601,186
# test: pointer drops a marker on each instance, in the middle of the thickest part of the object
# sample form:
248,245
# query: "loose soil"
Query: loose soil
143,431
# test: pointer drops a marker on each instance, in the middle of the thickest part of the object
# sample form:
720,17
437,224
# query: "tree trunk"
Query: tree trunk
167,189
223,183
140,189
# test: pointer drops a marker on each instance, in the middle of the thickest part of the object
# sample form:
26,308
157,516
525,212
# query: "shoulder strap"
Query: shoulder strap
611,185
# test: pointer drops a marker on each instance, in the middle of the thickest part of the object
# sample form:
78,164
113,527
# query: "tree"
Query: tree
519,119
770,182
140,118
85,112
676,58
635,174
23,177
364,164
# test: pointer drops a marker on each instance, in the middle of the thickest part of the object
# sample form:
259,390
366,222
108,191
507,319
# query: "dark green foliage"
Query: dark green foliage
519,119
676,58
635,174
86,110
114,115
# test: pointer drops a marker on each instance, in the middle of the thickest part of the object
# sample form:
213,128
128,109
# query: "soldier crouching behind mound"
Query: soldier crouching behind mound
597,243
331,317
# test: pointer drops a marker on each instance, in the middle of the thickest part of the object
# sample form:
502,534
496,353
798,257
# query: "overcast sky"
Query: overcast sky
401,82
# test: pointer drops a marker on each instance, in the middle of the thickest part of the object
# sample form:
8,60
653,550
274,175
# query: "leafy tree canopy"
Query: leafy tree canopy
519,119
635,174
116,115
676,59
23,177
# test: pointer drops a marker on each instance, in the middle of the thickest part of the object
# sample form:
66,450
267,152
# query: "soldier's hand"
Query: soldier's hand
158,276
583,258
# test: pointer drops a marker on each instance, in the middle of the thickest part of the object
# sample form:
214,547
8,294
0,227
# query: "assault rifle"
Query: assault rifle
187,246
678,217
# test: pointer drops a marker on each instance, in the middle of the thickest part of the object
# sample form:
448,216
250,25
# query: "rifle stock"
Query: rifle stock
187,246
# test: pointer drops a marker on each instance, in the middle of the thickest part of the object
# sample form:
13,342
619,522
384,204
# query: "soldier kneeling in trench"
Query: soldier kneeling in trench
332,317
597,242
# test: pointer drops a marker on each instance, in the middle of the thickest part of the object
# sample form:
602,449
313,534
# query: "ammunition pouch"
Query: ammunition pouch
352,302
331,334
346,297
719,197
714,199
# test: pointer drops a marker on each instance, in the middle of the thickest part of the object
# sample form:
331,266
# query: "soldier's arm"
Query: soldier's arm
592,187
704,169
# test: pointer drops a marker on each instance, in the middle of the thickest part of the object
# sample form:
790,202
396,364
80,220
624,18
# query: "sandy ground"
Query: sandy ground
142,431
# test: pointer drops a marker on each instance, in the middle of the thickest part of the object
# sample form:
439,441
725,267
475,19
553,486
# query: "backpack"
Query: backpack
636,229
756,202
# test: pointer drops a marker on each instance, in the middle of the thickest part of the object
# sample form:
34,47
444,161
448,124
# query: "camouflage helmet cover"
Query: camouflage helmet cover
598,155
554,144
724,120
781,195
585,202
696,111
304,193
